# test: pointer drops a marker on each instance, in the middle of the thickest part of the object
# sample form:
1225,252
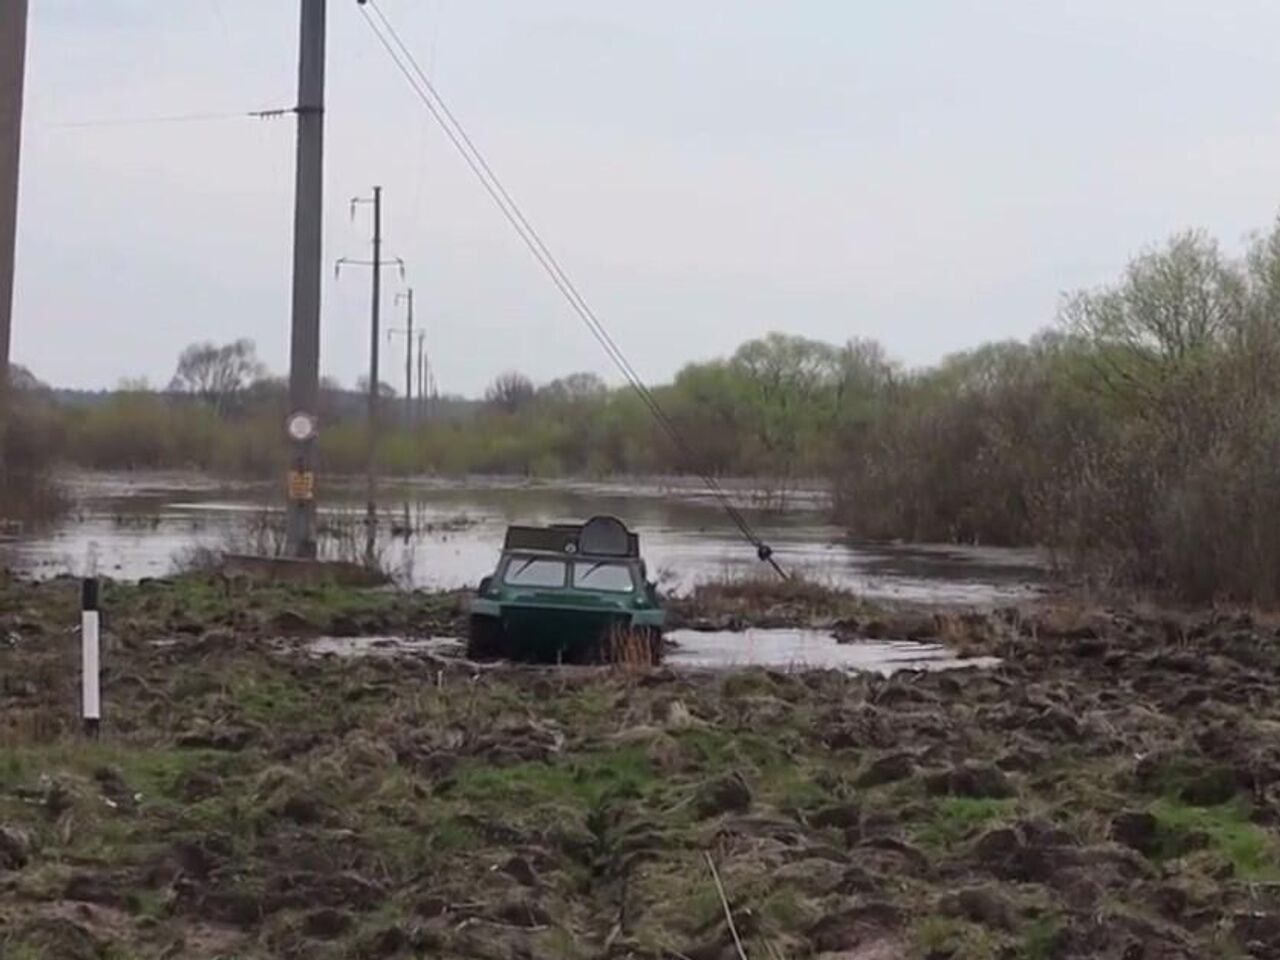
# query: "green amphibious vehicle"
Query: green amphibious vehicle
568,593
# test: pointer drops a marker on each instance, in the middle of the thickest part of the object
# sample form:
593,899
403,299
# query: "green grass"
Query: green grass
269,700
152,904
583,781
447,834
1251,850
954,820
153,771
230,815
585,704
939,936
1188,777
208,600
770,764
681,898
108,835
943,936
1040,939
788,909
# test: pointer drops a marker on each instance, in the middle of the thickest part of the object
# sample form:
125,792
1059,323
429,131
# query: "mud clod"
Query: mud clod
856,928
1137,830
987,906
973,780
327,923
15,848
842,816
888,769
728,794
52,937
520,870
227,737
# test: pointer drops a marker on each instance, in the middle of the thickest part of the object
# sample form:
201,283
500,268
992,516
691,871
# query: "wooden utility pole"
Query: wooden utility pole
308,265
13,55
371,450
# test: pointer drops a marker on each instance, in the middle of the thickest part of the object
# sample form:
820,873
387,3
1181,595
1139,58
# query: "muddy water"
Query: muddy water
810,650
446,535
720,650
383,646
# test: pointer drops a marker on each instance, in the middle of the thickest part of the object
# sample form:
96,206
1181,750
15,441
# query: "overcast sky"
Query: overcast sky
929,173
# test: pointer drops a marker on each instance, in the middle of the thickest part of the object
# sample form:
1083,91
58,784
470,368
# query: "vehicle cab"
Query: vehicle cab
566,593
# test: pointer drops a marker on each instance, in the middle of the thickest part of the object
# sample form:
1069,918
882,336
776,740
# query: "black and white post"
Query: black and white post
91,657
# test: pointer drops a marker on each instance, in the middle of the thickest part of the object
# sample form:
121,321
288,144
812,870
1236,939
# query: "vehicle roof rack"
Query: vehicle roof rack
598,537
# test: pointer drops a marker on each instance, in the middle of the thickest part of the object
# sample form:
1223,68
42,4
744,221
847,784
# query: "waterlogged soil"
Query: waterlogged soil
1110,789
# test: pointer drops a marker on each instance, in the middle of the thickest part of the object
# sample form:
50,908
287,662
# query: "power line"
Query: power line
176,118
457,135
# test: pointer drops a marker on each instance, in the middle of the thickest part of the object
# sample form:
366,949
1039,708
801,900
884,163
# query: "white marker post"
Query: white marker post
90,641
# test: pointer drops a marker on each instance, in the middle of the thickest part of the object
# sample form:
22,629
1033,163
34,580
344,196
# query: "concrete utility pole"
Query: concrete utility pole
371,457
422,376
407,298
308,264
13,55
377,263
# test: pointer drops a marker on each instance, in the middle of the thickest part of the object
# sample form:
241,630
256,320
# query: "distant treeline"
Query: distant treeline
1139,437
770,411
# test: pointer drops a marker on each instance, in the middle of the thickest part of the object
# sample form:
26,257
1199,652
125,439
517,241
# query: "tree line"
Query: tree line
1138,436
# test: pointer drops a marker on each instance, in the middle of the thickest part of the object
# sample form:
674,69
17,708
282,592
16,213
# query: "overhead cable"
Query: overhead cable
426,91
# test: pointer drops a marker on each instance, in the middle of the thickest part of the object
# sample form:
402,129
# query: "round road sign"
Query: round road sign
301,427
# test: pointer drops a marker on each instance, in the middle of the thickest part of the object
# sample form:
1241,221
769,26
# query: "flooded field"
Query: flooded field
445,535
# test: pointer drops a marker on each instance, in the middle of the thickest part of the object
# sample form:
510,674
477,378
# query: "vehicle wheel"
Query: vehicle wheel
486,640
632,647
653,639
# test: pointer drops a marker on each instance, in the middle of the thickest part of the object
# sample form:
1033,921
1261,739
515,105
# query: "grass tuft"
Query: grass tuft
1253,852
954,820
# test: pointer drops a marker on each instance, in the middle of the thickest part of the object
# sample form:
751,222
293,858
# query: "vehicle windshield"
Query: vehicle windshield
609,577
534,572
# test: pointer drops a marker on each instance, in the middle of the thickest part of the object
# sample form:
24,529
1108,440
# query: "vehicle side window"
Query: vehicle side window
534,572
609,577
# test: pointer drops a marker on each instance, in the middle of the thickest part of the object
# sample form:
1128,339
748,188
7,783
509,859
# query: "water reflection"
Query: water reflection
442,535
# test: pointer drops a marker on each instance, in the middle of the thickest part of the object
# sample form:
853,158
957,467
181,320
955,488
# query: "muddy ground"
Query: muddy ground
1112,790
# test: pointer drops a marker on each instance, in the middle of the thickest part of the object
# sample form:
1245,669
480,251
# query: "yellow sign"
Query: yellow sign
302,485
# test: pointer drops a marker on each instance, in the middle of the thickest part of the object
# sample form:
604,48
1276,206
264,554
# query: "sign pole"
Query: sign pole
90,658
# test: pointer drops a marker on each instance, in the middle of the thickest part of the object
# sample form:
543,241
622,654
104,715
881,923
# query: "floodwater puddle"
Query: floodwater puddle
709,650
810,650
357,647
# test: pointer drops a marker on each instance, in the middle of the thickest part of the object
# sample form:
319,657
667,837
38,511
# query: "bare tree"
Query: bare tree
511,392
20,378
217,375
134,385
